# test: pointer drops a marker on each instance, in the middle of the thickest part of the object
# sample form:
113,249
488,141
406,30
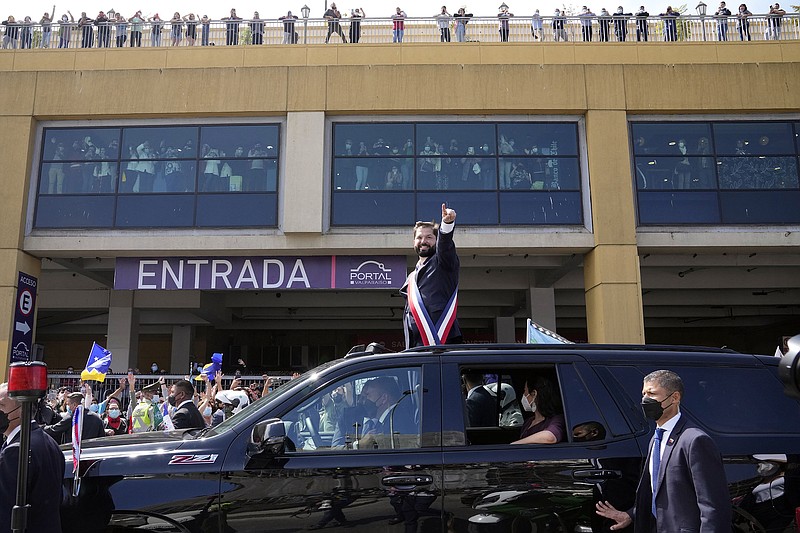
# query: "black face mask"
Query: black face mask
4,421
171,400
652,408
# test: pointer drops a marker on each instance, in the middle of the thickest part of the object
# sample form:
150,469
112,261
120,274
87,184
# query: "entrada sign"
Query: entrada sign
258,273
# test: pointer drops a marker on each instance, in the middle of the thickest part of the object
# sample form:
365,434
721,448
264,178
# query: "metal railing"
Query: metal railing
612,28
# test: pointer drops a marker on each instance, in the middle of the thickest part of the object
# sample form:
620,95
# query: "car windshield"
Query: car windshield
308,378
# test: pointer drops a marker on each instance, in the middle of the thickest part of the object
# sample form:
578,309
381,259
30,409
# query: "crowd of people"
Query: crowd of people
136,407
191,29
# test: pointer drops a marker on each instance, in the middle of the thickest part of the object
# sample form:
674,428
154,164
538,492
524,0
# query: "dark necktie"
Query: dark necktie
656,453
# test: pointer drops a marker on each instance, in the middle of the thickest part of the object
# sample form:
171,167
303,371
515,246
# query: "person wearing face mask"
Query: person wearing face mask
768,501
145,414
683,485
545,423
45,470
61,431
431,289
114,421
186,415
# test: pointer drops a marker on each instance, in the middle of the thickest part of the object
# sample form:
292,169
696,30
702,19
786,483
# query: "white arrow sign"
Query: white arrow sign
23,327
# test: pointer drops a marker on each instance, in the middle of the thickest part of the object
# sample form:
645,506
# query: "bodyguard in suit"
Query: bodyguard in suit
186,415
431,290
45,471
481,405
61,431
683,486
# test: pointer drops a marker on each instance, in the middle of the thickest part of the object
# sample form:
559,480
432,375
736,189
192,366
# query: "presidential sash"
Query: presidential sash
430,333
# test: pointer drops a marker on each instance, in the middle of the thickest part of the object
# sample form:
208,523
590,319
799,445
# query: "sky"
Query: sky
374,8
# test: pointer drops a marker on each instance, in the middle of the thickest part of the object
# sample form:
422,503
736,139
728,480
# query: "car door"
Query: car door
342,475
492,485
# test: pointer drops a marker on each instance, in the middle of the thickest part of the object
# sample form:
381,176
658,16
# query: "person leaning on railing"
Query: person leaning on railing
47,28
742,24
136,22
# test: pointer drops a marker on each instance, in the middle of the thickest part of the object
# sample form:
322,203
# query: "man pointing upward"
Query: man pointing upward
431,290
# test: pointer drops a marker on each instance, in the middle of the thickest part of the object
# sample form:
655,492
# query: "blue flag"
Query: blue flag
97,365
210,369
541,335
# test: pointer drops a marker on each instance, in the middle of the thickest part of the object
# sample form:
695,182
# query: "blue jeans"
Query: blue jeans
397,36
722,31
461,31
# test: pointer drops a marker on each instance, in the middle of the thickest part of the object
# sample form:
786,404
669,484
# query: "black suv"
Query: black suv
300,458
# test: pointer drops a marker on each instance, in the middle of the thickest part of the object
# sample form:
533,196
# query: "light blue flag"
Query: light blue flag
541,335
97,365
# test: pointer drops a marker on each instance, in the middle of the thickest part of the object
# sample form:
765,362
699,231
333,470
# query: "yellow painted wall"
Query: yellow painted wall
604,83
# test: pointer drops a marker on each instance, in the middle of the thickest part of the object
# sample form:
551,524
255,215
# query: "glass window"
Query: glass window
455,138
674,207
539,173
370,208
763,172
671,138
75,212
155,211
238,141
540,208
760,207
163,160
379,410
468,172
474,208
373,139
237,210
754,138
654,173
373,174
160,143
79,144
538,139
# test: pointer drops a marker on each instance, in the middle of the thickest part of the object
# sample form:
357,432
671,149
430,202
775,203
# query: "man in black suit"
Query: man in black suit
61,431
690,492
430,314
186,416
392,423
481,405
45,470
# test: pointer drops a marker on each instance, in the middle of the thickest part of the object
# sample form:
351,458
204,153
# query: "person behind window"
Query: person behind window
683,169
546,425
392,417
481,405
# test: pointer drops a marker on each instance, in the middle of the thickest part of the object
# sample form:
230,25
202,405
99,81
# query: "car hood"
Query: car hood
156,451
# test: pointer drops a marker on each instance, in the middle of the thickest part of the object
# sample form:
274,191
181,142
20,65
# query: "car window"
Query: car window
725,399
511,415
367,411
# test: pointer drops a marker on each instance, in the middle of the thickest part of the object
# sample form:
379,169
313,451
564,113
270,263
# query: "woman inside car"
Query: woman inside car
545,424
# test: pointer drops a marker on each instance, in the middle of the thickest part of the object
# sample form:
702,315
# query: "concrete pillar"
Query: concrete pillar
181,349
504,329
611,270
303,186
123,331
542,305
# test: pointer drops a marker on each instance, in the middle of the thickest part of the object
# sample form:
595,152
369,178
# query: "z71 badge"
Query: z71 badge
194,459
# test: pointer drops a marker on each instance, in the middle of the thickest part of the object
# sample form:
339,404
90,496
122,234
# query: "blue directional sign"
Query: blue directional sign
22,339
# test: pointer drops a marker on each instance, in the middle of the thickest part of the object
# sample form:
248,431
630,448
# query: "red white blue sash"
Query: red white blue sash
430,333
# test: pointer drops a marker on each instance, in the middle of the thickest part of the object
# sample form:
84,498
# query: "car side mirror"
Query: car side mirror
789,368
268,436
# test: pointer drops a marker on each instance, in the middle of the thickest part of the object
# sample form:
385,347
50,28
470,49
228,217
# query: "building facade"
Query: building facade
615,192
